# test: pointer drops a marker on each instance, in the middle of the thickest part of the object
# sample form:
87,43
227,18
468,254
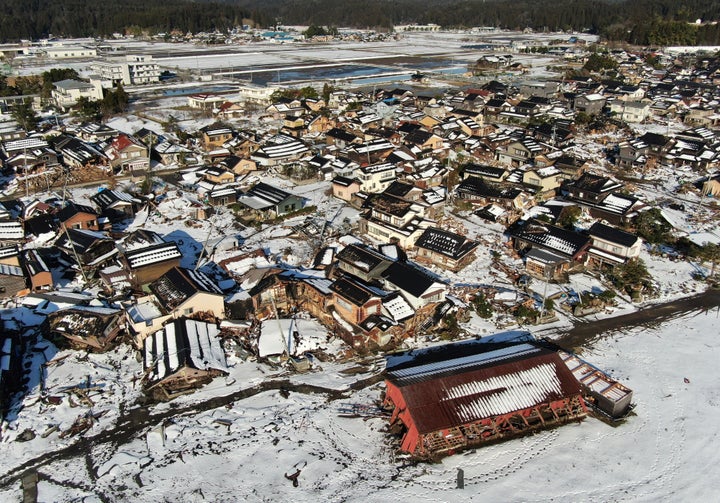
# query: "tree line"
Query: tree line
646,22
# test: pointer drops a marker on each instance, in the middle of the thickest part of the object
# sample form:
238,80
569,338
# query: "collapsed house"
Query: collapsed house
466,394
184,355
86,327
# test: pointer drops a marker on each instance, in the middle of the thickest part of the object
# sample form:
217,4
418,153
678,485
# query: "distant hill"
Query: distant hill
661,22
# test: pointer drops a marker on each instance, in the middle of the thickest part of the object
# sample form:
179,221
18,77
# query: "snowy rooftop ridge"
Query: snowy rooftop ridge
429,370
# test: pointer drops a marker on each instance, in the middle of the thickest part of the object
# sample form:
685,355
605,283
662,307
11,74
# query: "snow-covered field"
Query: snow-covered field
665,451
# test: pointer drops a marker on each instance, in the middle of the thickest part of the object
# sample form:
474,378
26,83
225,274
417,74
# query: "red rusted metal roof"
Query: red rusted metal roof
467,389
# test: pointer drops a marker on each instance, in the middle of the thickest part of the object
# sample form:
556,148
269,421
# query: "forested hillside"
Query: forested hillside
659,22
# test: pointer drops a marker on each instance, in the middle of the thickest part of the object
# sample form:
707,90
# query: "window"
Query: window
188,310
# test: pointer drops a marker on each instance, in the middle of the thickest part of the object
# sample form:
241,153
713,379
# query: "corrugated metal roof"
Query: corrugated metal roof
464,389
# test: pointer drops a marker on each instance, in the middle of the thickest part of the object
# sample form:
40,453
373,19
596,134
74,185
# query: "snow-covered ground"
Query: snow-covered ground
243,452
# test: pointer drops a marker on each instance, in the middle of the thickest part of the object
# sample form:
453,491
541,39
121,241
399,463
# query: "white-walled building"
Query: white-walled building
133,69
67,92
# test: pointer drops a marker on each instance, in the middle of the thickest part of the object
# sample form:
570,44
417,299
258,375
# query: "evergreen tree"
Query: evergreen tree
24,114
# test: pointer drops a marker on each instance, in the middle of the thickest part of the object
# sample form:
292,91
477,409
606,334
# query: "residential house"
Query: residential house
230,110
222,195
476,190
265,201
354,301
519,152
79,216
170,153
218,175
91,248
362,261
419,287
491,174
77,153
591,188
177,293
184,355
85,327
38,274
389,218
115,205
146,256
565,243
127,154
570,166
445,249
590,104
341,138
611,246
344,188
205,101
376,177
279,149
543,180
631,111
215,135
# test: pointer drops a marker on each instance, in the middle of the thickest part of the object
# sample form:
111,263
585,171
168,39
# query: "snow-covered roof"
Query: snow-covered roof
182,343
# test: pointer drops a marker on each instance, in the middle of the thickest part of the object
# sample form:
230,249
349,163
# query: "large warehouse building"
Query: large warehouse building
460,395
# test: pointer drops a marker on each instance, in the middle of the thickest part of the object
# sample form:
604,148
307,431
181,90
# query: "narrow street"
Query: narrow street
585,333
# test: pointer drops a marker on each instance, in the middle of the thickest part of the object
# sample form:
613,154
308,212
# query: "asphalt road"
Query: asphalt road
584,333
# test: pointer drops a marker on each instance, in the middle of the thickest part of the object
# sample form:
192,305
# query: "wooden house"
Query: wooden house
445,249
344,188
78,216
177,293
127,154
222,195
354,301
268,202
362,261
184,355
417,285
148,262
611,246
38,274
563,242
214,136
115,205
92,248
86,327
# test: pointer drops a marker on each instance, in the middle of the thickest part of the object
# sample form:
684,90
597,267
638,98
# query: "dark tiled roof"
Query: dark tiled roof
341,134
482,170
361,257
72,209
550,237
612,234
409,278
447,243
269,193
477,187
353,291
595,183
390,204
178,284
399,189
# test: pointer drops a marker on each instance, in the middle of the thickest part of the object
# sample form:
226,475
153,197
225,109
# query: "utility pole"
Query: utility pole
75,253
